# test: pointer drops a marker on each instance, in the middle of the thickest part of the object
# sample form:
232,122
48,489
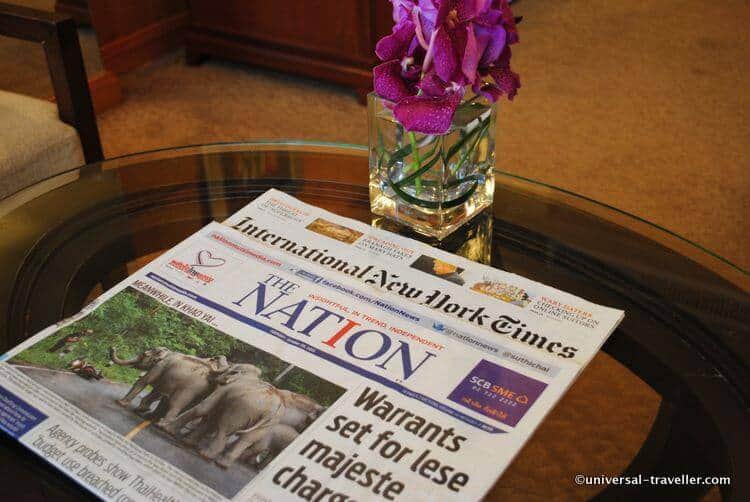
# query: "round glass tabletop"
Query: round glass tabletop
668,395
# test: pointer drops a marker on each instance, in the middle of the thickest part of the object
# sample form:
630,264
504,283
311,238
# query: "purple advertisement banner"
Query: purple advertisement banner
497,392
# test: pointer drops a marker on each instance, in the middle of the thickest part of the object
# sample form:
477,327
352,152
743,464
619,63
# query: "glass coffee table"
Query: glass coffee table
669,394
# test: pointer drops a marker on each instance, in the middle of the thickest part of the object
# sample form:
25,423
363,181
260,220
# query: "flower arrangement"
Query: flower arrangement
437,49
432,147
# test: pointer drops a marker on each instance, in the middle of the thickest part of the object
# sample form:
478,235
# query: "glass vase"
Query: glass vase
433,183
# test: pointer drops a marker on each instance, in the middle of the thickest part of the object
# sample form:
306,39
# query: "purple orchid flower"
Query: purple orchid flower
438,48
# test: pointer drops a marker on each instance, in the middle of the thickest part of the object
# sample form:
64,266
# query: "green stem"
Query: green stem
430,204
416,168
469,150
425,167
416,162
406,150
453,150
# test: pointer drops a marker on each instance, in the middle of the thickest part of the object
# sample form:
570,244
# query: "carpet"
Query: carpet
623,102
627,103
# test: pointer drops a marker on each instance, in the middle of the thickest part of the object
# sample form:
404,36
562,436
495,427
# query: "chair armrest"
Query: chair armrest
28,24
58,36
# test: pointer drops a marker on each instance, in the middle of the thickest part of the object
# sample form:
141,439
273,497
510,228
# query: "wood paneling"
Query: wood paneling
327,39
134,32
115,19
130,51
325,27
78,9
330,40
284,60
106,91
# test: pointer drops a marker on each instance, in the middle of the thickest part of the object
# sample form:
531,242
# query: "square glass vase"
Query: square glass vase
431,183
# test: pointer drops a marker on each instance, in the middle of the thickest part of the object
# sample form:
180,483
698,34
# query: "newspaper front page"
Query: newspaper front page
230,369
518,313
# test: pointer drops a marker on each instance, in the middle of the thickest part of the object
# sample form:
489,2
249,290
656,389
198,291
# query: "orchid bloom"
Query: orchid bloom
436,49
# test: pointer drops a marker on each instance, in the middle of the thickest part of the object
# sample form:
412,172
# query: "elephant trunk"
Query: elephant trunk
122,362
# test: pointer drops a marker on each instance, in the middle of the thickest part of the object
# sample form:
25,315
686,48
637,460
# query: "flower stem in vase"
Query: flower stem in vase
432,116
415,163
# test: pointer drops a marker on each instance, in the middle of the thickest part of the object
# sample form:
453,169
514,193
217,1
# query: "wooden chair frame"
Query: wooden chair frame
59,37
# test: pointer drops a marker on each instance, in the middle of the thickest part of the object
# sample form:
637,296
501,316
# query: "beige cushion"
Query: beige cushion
34,143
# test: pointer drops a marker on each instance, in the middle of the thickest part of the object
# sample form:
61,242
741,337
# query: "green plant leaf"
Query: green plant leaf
460,143
469,150
425,167
430,204
399,154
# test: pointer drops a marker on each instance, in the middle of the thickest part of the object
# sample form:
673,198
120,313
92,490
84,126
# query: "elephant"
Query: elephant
272,440
176,379
301,410
240,404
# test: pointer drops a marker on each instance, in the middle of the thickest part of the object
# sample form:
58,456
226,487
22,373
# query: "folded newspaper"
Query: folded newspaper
292,354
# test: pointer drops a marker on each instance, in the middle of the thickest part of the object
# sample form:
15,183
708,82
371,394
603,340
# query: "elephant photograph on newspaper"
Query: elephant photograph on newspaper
217,408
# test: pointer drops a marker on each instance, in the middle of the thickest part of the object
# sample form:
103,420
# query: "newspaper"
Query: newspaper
526,315
235,368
